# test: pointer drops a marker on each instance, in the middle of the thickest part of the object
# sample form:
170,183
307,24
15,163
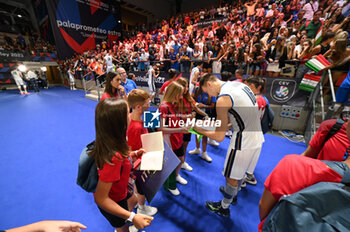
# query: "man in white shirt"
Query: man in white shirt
145,58
17,76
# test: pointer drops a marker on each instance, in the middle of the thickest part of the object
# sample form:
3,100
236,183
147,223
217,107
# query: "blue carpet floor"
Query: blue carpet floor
41,137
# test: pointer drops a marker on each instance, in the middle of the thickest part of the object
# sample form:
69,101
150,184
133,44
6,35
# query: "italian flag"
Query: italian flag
318,63
309,82
318,37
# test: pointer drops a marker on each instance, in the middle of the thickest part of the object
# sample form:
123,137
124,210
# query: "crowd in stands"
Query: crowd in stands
260,37
34,44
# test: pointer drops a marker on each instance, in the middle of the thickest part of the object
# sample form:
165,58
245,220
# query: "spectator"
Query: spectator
111,153
113,87
313,26
125,82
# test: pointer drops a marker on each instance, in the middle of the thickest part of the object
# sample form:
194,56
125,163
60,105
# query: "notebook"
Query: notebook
154,145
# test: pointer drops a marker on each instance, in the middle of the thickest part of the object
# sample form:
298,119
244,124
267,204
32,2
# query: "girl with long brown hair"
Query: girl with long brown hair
173,133
276,56
113,160
187,107
113,87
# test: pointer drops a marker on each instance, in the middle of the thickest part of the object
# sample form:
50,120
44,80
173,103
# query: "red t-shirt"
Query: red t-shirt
294,173
112,173
188,108
335,148
106,95
134,132
261,105
169,113
165,85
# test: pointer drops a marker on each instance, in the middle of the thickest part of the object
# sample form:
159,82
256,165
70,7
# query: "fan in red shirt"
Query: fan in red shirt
294,173
334,148
172,75
139,102
113,87
172,132
186,107
113,159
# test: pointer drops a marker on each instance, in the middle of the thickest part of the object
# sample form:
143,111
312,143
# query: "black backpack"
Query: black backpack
87,172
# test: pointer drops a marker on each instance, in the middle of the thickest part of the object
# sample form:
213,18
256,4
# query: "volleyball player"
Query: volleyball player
236,100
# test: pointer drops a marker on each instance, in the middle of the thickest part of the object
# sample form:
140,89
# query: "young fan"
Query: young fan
173,134
186,107
206,103
172,76
114,162
257,85
139,102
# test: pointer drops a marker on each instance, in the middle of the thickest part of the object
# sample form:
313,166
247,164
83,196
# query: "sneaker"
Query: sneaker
187,167
22,93
181,180
222,190
175,192
27,93
196,151
206,157
250,179
212,142
216,207
147,210
244,184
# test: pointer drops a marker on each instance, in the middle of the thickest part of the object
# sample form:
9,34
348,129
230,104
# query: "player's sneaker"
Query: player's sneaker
216,207
250,179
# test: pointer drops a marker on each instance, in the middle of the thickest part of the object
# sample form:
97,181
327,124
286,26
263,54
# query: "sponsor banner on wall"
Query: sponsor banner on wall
78,25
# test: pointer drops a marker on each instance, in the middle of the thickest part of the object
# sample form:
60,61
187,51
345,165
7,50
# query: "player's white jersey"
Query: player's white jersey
16,74
108,59
244,116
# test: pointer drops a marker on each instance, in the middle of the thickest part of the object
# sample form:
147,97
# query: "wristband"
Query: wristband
129,220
